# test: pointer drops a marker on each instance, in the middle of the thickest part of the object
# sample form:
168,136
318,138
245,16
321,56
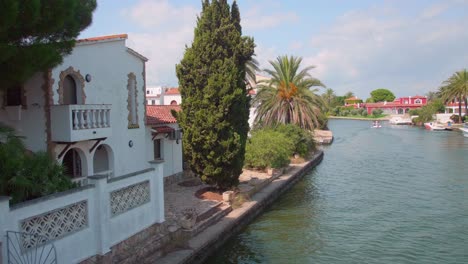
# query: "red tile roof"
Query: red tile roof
354,98
174,90
109,37
160,114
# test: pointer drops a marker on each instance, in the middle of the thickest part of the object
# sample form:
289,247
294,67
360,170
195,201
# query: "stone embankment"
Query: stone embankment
360,118
323,136
197,248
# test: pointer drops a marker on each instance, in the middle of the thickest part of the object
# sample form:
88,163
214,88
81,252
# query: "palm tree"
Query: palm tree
329,98
251,69
456,87
287,97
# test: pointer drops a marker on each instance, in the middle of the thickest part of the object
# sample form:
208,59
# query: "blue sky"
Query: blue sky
409,47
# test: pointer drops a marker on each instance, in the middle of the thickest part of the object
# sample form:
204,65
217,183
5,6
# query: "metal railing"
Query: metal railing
19,253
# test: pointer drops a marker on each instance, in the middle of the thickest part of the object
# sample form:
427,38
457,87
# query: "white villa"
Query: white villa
90,113
163,96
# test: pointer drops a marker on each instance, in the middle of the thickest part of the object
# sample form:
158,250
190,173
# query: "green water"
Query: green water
388,195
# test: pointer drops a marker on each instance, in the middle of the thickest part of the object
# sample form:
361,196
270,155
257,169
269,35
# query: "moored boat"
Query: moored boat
433,126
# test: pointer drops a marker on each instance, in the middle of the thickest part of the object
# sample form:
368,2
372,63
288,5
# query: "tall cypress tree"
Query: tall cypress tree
215,103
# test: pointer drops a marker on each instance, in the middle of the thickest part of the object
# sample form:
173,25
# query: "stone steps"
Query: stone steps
177,240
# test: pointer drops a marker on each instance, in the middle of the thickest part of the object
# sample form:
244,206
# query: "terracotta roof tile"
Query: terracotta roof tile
160,114
100,38
174,90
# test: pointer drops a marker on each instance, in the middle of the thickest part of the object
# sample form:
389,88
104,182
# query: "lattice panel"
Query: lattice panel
54,224
127,198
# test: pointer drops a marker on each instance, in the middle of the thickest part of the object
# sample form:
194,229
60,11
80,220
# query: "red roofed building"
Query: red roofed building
353,101
167,139
399,106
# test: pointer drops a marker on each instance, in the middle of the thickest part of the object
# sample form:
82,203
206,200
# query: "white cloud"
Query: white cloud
162,31
366,50
259,18
156,13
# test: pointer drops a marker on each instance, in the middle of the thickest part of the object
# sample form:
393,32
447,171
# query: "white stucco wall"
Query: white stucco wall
171,153
32,123
167,99
109,64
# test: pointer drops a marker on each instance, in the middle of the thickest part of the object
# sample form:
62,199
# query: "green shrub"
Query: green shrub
377,112
303,141
345,112
364,113
25,176
354,112
268,149
414,112
466,118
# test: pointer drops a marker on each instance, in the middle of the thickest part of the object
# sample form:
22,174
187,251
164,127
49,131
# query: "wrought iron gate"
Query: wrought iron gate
19,253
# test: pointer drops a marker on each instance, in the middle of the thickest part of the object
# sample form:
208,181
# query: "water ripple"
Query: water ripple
390,195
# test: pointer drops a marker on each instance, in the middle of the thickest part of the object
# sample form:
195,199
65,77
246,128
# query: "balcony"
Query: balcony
72,123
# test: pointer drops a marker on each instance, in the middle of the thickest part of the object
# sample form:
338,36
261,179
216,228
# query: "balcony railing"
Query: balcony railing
71,123
89,118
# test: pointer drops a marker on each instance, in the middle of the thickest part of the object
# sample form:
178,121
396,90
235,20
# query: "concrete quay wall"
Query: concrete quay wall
211,239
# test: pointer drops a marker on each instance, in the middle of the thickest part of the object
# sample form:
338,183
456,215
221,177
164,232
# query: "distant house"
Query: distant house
353,101
399,106
453,107
171,96
163,96
153,95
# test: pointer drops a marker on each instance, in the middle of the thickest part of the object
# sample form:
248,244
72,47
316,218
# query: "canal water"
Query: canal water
395,194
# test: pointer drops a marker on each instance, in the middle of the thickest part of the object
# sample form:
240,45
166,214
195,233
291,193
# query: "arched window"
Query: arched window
72,163
103,160
173,102
418,101
71,87
400,111
132,103
69,90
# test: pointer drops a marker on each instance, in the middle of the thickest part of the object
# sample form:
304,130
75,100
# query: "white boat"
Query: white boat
376,124
433,126
465,131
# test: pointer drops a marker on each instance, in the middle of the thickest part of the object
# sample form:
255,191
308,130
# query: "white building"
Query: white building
171,96
89,112
153,95
167,139
253,93
163,96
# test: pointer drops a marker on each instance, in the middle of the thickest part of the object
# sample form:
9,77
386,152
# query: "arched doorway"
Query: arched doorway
400,111
69,90
407,110
73,164
103,160
173,102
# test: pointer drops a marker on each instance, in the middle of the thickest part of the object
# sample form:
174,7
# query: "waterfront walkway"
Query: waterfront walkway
213,236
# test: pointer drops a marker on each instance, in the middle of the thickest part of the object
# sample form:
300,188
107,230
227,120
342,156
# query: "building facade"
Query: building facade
89,113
